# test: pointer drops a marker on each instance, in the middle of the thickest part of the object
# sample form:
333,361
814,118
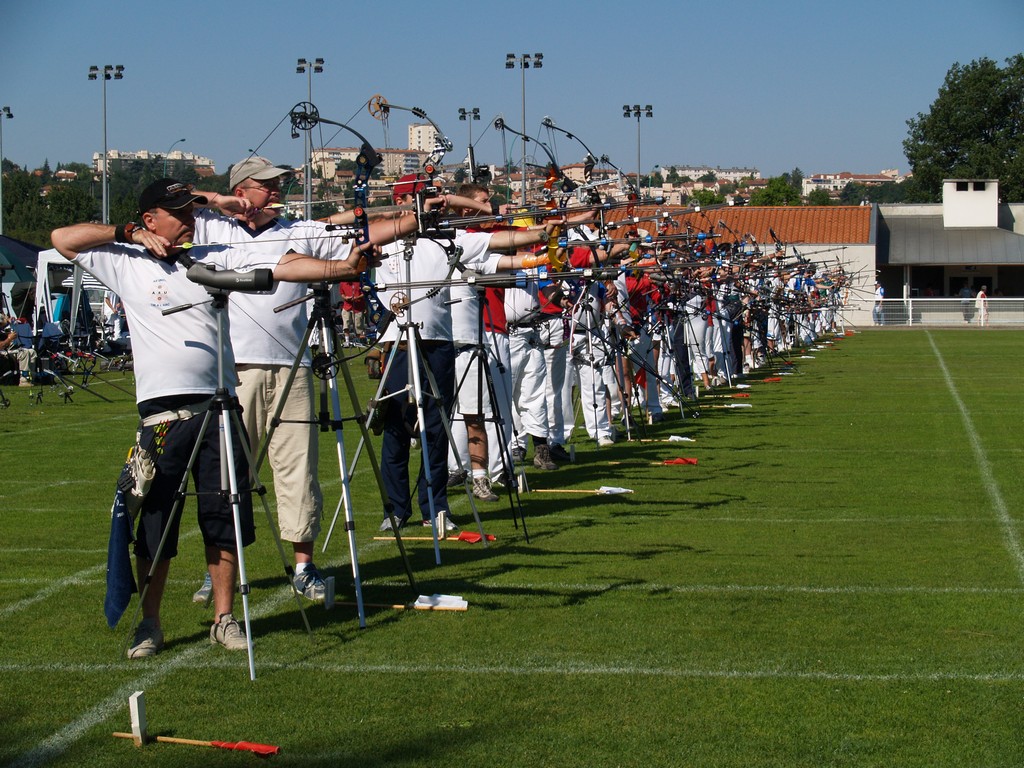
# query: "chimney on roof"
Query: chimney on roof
970,203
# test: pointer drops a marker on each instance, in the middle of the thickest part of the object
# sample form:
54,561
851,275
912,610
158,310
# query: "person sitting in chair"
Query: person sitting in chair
11,347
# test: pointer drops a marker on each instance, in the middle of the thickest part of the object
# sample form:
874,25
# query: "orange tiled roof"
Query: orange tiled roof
826,224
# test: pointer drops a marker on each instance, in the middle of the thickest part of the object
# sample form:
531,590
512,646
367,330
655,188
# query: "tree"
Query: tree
778,192
708,178
819,197
795,179
973,129
705,197
673,176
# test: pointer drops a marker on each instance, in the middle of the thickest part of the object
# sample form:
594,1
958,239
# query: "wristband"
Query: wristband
123,232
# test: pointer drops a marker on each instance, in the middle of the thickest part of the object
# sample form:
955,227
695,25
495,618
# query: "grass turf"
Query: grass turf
837,582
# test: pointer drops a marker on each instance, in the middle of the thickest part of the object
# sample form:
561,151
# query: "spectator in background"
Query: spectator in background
24,356
965,302
981,306
876,313
353,308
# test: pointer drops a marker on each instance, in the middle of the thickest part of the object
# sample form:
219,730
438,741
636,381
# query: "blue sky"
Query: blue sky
824,86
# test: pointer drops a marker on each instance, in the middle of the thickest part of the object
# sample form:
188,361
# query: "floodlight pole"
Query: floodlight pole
109,72
4,112
470,114
525,61
308,67
637,112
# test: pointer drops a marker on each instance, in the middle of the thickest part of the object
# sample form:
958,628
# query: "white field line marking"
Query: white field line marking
988,480
659,589
85,576
54,588
133,417
189,659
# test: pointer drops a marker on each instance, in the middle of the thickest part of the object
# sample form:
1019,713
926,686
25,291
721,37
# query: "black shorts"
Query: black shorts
172,443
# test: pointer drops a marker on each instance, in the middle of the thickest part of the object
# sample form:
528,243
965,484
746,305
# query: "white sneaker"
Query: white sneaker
149,640
605,442
228,633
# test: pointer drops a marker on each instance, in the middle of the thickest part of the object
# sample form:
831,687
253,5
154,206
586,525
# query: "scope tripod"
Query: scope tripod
408,393
225,408
487,367
325,363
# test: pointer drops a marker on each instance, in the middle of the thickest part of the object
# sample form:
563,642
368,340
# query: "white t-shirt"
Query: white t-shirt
465,306
429,263
173,354
259,335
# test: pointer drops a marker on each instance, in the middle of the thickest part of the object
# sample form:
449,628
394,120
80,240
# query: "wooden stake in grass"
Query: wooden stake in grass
238,746
137,707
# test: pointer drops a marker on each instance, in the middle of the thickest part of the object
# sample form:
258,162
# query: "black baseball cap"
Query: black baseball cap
168,194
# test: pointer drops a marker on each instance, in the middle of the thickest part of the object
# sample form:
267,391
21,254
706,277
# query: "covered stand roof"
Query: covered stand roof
924,240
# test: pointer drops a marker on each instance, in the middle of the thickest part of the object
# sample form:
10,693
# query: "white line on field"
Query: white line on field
218,661
988,480
85,576
50,748
130,416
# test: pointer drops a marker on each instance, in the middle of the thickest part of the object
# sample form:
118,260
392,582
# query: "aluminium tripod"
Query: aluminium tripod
407,397
229,428
482,360
325,364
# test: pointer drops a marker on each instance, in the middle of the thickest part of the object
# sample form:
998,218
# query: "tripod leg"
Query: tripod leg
227,465
442,412
261,491
371,454
330,341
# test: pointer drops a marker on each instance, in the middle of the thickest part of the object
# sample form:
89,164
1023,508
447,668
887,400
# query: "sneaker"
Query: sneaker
205,592
657,418
449,524
386,525
518,455
558,452
605,442
149,640
456,477
228,633
542,457
310,584
502,481
482,489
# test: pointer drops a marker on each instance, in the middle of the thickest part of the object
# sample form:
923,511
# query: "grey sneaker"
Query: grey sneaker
482,489
449,524
310,584
205,592
456,478
386,525
149,640
518,455
228,633
542,457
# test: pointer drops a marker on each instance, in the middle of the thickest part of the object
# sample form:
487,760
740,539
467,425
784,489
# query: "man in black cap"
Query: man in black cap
176,368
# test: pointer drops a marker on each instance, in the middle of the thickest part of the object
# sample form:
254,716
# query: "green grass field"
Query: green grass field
838,582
